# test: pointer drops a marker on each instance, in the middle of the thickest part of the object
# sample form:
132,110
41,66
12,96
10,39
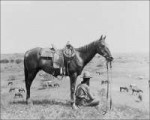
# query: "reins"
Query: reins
109,71
108,95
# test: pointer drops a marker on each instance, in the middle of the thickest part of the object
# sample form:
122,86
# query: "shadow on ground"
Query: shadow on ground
44,102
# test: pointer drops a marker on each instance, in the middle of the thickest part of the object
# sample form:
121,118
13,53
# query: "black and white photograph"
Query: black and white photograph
74,59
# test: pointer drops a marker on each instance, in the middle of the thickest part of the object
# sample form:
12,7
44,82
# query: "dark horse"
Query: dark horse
33,62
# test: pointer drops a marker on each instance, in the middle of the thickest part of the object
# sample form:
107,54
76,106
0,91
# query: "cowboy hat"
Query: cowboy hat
86,74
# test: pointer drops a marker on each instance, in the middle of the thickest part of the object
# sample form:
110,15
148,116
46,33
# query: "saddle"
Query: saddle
69,51
58,56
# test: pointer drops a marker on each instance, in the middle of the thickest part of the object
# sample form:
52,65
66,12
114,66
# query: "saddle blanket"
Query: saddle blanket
57,57
58,61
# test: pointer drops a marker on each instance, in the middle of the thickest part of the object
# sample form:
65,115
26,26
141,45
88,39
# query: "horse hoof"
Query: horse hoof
74,107
29,102
71,102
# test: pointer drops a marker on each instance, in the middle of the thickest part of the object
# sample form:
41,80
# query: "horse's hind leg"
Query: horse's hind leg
28,81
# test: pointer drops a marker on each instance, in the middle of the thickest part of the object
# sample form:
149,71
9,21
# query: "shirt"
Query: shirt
83,91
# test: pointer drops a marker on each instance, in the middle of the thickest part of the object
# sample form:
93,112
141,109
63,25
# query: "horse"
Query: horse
104,82
124,88
18,94
99,73
140,97
10,83
33,63
11,89
17,89
137,90
132,86
56,85
47,84
21,90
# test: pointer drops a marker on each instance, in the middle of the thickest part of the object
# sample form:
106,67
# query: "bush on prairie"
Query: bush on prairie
18,61
4,61
12,61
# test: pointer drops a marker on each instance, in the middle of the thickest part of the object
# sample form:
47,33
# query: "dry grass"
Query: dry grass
53,103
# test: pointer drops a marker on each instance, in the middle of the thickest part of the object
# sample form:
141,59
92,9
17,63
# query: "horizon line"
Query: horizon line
97,53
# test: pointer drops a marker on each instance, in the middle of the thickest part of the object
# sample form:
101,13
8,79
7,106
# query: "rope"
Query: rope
110,85
108,81
108,96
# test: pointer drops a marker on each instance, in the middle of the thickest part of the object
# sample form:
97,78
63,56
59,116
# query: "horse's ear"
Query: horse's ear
104,37
101,37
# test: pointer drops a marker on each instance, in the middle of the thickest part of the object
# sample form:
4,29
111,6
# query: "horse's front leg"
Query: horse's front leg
73,79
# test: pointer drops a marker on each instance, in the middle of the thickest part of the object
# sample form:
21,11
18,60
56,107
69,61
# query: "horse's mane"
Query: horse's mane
85,48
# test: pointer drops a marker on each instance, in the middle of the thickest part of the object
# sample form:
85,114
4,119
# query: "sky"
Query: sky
29,24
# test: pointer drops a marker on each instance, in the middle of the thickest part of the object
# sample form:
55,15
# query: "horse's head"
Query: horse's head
102,49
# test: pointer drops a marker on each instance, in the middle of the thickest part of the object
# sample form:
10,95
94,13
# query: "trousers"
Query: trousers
84,102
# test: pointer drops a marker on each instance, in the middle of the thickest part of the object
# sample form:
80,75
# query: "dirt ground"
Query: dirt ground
54,102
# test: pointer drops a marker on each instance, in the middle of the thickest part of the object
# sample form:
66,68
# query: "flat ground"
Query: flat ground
53,103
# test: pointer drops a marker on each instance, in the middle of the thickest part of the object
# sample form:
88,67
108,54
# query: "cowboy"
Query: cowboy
84,97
